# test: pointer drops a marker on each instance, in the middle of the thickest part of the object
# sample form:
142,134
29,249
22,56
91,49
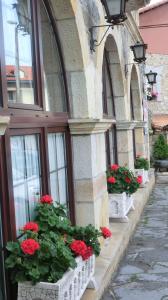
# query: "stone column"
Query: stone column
141,145
89,162
125,143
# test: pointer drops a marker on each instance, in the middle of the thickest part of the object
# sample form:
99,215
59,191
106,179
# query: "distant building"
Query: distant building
154,30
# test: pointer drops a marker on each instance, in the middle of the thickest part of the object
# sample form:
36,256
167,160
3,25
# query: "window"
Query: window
109,111
36,147
26,174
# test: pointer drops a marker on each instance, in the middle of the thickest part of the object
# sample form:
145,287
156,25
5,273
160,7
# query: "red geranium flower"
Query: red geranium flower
114,167
139,179
78,247
111,180
127,180
30,246
88,253
106,232
31,226
46,199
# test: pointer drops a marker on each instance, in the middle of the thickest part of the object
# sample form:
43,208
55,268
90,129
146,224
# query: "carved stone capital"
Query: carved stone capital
89,126
141,124
4,121
125,125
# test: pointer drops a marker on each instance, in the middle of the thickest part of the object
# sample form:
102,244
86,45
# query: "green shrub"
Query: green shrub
141,163
160,150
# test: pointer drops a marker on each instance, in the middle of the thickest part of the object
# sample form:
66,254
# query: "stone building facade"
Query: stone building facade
79,131
155,35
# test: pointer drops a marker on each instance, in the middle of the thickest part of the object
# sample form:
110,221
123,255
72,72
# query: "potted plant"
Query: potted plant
121,184
160,153
52,258
141,168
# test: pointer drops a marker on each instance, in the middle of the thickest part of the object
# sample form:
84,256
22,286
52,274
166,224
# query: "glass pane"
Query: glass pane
58,178
26,171
18,50
52,152
53,76
62,185
61,150
54,186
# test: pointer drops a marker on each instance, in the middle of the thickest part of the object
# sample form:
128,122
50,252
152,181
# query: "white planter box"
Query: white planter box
120,205
70,287
144,174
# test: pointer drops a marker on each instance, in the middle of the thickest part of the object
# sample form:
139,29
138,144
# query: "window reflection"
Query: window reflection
18,50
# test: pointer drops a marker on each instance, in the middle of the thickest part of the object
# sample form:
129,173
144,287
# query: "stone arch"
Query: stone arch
68,31
135,87
117,77
139,142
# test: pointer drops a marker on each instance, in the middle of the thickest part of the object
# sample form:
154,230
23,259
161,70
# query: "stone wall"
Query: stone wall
159,63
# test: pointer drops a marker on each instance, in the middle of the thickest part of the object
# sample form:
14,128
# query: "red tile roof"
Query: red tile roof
159,121
27,73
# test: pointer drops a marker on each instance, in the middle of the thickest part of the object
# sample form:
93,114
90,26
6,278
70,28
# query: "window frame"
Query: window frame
37,61
27,119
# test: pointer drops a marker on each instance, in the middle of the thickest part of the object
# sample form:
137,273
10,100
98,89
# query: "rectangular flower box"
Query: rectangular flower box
144,174
120,205
70,287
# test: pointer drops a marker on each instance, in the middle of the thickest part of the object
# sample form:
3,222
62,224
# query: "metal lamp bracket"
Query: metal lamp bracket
93,41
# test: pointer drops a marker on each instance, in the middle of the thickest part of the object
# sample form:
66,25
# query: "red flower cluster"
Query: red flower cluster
30,246
106,232
46,199
88,253
111,180
127,180
139,179
32,226
114,167
80,248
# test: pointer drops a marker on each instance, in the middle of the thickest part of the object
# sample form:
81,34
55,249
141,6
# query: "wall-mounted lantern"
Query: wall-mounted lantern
139,51
151,76
115,10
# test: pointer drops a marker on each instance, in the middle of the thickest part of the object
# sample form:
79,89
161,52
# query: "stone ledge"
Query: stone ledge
111,254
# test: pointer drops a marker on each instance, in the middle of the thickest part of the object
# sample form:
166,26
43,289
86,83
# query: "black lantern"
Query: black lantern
115,10
151,76
139,51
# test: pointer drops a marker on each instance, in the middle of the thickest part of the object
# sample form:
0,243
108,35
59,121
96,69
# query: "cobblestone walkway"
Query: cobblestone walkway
143,273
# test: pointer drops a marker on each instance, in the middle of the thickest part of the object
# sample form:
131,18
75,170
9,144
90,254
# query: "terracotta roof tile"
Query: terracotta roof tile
159,121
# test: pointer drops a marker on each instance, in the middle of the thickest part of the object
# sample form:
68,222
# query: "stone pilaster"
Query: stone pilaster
89,162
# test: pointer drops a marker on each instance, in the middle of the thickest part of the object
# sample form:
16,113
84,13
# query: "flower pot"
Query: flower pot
71,286
144,174
120,205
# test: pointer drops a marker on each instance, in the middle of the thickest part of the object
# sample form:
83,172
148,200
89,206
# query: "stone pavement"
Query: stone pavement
143,273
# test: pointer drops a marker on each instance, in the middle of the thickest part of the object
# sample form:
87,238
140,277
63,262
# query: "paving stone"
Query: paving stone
143,273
